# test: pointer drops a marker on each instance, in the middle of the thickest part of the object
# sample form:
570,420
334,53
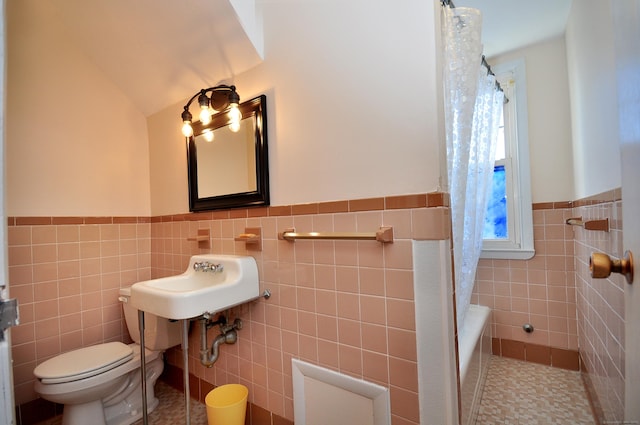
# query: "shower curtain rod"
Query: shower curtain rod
490,72
483,60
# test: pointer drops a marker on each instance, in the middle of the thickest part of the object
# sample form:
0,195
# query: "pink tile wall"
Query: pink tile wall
540,291
66,279
344,305
601,310
554,292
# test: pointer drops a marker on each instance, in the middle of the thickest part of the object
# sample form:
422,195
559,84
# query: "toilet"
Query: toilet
100,384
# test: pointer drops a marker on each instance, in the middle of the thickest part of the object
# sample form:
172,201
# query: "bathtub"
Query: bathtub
474,350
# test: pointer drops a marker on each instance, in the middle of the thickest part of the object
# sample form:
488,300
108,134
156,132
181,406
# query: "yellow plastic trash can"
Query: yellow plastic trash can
227,405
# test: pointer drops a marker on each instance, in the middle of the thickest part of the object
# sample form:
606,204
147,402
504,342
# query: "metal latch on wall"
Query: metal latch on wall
9,315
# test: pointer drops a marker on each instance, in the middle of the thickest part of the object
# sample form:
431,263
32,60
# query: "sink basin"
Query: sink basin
199,289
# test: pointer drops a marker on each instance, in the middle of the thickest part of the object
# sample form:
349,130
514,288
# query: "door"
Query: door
7,405
626,35
7,408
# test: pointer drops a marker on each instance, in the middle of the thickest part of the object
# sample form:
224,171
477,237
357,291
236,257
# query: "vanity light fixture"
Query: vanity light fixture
212,100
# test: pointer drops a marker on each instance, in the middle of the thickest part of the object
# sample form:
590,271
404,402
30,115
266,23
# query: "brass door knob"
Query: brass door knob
601,266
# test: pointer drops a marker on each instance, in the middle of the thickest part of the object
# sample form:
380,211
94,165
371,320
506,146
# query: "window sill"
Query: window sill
508,254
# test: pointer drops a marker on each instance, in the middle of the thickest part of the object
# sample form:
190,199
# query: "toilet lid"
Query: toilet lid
83,363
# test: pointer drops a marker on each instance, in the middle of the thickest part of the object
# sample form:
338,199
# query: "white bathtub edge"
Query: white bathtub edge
475,321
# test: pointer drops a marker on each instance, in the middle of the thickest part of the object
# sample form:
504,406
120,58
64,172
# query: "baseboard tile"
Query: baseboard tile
535,353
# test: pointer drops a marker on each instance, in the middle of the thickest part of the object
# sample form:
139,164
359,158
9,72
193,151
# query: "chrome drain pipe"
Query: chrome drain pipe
228,335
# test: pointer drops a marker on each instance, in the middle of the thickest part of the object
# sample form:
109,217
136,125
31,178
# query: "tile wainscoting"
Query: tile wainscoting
345,305
601,312
555,293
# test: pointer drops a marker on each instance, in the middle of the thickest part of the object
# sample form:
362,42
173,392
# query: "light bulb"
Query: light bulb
203,101
208,135
235,116
205,115
234,126
186,129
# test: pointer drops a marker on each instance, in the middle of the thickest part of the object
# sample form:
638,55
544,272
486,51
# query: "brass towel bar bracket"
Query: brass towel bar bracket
602,225
383,235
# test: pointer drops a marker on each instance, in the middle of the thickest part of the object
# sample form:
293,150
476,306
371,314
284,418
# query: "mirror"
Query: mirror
232,170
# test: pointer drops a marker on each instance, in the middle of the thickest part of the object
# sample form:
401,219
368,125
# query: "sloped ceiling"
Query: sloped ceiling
159,52
511,24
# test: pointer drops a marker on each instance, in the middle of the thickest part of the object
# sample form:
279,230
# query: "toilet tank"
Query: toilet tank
159,333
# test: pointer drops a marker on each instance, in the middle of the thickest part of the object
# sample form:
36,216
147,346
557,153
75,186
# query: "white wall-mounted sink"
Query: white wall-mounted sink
200,288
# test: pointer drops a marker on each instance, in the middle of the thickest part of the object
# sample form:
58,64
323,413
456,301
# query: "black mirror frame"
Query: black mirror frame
257,108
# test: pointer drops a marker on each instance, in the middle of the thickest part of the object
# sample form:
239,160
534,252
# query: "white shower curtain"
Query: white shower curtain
472,114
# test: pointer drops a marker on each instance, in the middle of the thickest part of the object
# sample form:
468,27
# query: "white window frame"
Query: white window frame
519,245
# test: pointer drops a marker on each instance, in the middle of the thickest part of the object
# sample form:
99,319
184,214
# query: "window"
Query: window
508,229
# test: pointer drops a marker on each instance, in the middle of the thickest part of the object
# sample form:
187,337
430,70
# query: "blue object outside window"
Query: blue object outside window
495,221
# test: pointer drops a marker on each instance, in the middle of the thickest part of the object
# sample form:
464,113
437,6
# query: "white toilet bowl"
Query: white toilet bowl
100,384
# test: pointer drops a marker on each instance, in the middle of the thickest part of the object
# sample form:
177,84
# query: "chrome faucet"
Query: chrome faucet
206,266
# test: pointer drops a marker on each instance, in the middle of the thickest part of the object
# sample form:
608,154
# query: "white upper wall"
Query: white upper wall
573,120
75,144
353,102
550,149
353,98
353,95
592,78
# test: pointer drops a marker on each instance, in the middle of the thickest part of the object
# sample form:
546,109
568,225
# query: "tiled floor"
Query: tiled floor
170,411
521,393
515,393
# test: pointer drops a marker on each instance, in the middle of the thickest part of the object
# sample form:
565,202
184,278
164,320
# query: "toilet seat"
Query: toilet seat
83,363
